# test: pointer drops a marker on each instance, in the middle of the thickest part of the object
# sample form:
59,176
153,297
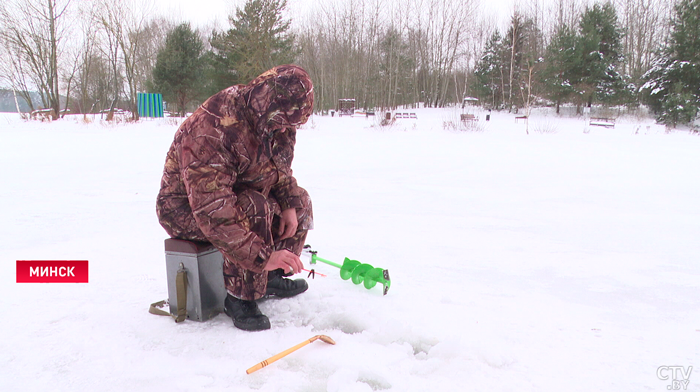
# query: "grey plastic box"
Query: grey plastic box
205,279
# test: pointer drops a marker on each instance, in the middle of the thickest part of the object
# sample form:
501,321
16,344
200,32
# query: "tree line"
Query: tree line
97,55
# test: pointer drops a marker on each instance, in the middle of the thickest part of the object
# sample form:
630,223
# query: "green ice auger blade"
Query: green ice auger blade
358,272
378,275
365,273
348,267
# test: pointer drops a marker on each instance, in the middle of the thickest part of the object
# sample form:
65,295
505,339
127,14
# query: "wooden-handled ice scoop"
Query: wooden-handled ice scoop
284,353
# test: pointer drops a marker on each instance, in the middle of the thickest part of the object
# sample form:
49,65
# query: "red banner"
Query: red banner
52,271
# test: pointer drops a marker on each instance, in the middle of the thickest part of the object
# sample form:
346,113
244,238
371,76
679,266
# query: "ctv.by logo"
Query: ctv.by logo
678,375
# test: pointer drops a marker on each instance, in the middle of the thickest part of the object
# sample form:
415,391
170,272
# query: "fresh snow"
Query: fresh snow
562,260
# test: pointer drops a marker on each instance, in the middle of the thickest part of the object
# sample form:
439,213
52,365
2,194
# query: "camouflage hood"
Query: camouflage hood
282,97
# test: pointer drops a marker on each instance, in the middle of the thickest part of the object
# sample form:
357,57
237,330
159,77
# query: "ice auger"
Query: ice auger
353,269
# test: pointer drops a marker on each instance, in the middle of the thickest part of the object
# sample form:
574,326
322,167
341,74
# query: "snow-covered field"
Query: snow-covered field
563,260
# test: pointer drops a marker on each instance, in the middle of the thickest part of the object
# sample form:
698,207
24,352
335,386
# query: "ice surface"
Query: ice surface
563,260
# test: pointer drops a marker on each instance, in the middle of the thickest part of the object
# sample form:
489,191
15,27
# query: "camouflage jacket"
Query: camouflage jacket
240,138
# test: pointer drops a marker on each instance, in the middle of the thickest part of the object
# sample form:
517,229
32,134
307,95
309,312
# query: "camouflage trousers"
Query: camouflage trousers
264,218
263,213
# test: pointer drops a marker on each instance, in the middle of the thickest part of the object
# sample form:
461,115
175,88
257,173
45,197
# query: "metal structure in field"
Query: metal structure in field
346,107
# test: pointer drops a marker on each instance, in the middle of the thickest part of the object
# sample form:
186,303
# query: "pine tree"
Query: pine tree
672,87
581,65
179,67
258,40
520,53
503,73
560,66
488,81
599,48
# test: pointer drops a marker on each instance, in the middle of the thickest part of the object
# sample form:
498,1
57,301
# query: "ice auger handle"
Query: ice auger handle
358,272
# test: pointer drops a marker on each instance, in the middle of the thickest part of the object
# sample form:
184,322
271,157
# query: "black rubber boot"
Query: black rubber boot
282,287
245,314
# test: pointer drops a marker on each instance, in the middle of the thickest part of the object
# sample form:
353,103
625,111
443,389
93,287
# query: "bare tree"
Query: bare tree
387,53
35,32
644,24
152,40
85,62
124,22
441,34
68,76
339,46
568,12
13,70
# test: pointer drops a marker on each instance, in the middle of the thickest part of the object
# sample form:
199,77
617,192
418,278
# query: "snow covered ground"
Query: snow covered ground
563,260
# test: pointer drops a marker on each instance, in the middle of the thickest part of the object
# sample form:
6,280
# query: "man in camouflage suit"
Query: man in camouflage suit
228,181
